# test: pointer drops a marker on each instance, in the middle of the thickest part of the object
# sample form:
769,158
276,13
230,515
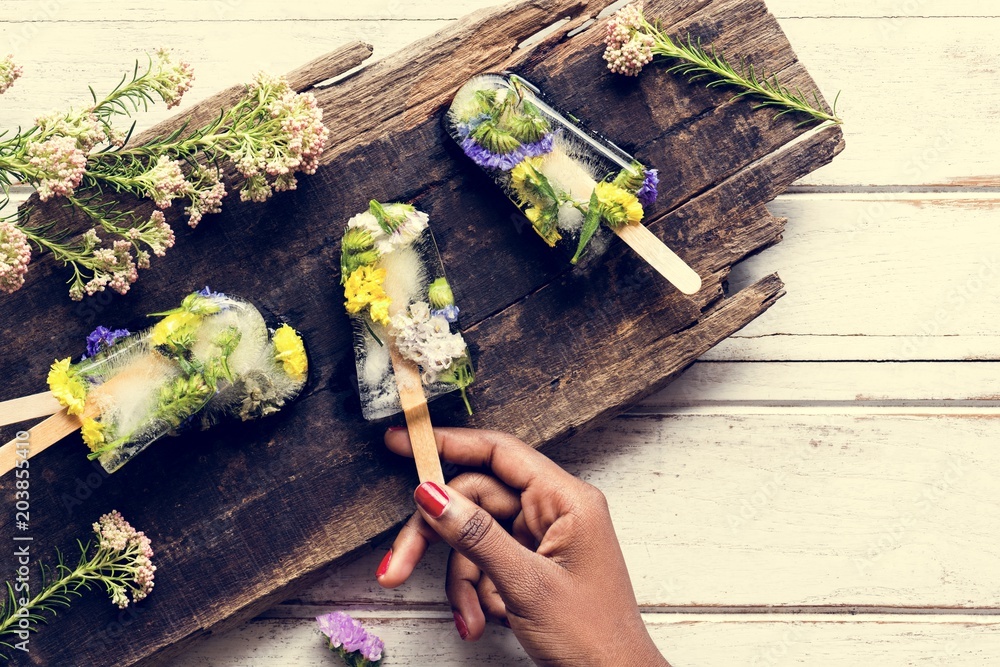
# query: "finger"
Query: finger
408,548
490,601
469,529
501,501
511,460
461,587
523,533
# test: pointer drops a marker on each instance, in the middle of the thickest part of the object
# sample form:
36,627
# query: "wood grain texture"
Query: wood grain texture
689,640
251,513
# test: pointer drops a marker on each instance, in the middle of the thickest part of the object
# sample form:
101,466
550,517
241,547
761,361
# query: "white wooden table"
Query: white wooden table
823,487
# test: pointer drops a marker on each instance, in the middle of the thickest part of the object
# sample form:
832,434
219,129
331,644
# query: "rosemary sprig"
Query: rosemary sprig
696,63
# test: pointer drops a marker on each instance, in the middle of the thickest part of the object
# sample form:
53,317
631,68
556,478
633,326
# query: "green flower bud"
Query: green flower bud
495,140
440,295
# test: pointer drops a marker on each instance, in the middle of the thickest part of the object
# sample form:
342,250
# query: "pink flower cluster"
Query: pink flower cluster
9,71
206,194
83,126
114,533
158,235
629,47
171,79
15,255
165,181
294,142
57,163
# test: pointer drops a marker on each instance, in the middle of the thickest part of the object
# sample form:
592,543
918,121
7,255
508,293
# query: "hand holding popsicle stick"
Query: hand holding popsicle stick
403,310
568,183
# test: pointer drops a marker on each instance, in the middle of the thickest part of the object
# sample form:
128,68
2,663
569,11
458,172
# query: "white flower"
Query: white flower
410,224
427,340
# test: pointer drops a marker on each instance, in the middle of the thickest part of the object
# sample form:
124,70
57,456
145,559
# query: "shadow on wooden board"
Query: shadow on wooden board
242,517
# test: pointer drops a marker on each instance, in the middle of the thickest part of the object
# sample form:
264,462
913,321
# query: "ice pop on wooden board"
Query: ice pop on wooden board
568,183
212,358
403,311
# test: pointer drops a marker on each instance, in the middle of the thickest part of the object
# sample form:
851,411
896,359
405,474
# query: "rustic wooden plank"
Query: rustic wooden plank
778,509
210,500
414,638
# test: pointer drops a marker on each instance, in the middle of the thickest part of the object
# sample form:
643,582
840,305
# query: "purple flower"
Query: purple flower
541,147
468,127
449,313
103,338
349,636
648,192
490,160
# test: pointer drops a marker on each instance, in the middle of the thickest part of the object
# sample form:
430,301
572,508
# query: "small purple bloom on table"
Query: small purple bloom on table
648,192
103,338
347,636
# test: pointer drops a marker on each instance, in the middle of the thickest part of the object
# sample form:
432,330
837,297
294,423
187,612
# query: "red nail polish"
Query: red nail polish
431,498
393,429
463,629
383,567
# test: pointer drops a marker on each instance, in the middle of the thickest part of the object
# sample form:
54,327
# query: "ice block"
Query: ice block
571,185
408,349
212,358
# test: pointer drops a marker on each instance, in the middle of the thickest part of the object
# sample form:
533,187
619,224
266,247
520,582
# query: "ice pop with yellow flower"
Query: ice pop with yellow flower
570,185
213,357
407,346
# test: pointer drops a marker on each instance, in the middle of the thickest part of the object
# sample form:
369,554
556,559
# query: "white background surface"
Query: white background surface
823,488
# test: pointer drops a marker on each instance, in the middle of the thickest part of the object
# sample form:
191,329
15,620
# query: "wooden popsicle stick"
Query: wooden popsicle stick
660,257
418,418
28,407
39,438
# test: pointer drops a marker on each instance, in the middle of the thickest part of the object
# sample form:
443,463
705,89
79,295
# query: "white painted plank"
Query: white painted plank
830,383
914,115
304,10
777,509
686,640
898,277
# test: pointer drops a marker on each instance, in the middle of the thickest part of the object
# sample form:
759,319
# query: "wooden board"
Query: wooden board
243,517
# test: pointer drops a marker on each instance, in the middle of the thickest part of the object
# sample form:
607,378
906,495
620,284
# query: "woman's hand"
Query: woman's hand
533,548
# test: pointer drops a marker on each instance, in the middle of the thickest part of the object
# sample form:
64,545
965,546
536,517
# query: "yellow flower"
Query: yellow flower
364,289
67,386
93,433
618,206
290,351
535,216
174,325
524,180
380,311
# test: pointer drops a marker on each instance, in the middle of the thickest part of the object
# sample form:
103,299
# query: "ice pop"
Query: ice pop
407,347
210,359
571,185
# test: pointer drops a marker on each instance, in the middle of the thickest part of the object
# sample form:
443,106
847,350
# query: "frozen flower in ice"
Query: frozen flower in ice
92,433
57,164
449,313
170,79
67,386
349,638
426,339
541,147
103,338
291,352
484,157
439,293
357,249
618,206
391,226
648,193
364,289
467,127
15,255
134,572
9,71
629,48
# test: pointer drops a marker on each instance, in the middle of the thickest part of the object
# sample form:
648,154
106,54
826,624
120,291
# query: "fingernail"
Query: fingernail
463,629
431,498
383,567
393,429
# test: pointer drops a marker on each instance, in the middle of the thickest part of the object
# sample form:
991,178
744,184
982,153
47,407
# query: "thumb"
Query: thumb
474,533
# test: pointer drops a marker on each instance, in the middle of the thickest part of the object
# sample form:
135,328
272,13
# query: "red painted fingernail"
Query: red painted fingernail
431,498
393,429
463,629
383,567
